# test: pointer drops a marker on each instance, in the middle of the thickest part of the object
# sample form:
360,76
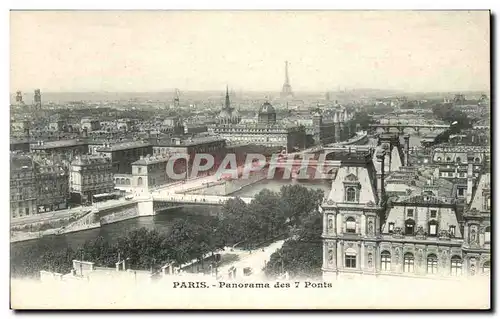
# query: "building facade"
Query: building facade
122,155
52,185
418,235
90,175
23,194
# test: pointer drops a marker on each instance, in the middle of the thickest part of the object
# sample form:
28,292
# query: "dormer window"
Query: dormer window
409,227
409,213
391,228
433,228
433,213
452,231
350,194
351,188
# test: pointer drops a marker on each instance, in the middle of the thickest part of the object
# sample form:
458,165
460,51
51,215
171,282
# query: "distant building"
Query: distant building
266,131
63,149
122,155
150,172
89,125
90,175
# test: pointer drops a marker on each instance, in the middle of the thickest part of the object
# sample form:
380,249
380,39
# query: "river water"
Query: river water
162,221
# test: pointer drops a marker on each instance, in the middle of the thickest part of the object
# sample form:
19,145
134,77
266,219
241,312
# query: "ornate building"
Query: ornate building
267,131
417,235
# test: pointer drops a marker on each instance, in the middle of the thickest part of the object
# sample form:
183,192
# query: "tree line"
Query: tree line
269,216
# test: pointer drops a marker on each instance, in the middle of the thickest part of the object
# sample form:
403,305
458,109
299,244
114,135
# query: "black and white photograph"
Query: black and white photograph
250,160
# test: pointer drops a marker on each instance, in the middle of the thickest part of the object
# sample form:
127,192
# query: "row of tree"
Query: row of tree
268,216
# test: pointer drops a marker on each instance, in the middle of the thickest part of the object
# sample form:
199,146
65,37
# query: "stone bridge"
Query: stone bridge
405,128
171,201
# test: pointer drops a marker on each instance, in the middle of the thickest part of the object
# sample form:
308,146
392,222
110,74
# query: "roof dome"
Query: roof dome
267,108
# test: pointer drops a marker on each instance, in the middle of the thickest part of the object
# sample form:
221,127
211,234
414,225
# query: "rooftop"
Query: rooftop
89,160
123,146
148,160
57,144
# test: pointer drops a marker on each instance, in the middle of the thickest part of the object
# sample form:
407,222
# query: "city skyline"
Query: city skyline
207,50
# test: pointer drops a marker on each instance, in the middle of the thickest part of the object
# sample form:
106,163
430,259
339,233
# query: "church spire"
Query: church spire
227,105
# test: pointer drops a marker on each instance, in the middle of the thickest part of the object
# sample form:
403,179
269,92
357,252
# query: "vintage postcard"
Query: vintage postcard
250,160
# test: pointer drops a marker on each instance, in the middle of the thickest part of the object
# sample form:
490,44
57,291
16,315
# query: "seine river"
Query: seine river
163,221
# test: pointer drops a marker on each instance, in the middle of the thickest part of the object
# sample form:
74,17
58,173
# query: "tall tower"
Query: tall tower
287,88
19,97
176,98
37,100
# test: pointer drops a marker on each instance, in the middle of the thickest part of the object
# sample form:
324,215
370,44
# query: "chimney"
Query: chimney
381,175
407,150
470,172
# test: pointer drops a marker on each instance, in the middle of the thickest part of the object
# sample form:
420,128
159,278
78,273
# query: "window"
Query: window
139,181
27,211
409,213
456,266
433,213
462,174
350,225
385,258
391,228
486,267
350,258
439,159
461,191
350,194
432,262
452,231
409,262
458,160
487,235
409,227
448,159
477,160
433,228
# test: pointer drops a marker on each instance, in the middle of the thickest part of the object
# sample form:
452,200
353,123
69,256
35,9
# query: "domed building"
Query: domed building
267,114
228,115
266,131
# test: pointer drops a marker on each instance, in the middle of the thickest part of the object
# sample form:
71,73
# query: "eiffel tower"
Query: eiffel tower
287,88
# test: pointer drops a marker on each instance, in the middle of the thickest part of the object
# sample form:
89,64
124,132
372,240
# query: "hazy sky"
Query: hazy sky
150,51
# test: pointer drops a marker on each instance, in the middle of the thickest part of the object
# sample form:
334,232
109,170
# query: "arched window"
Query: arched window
409,227
433,228
350,258
487,235
127,181
486,267
456,266
139,181
350,225
350,194
477,160
409,263
432,264
458,160
448,159
385,260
